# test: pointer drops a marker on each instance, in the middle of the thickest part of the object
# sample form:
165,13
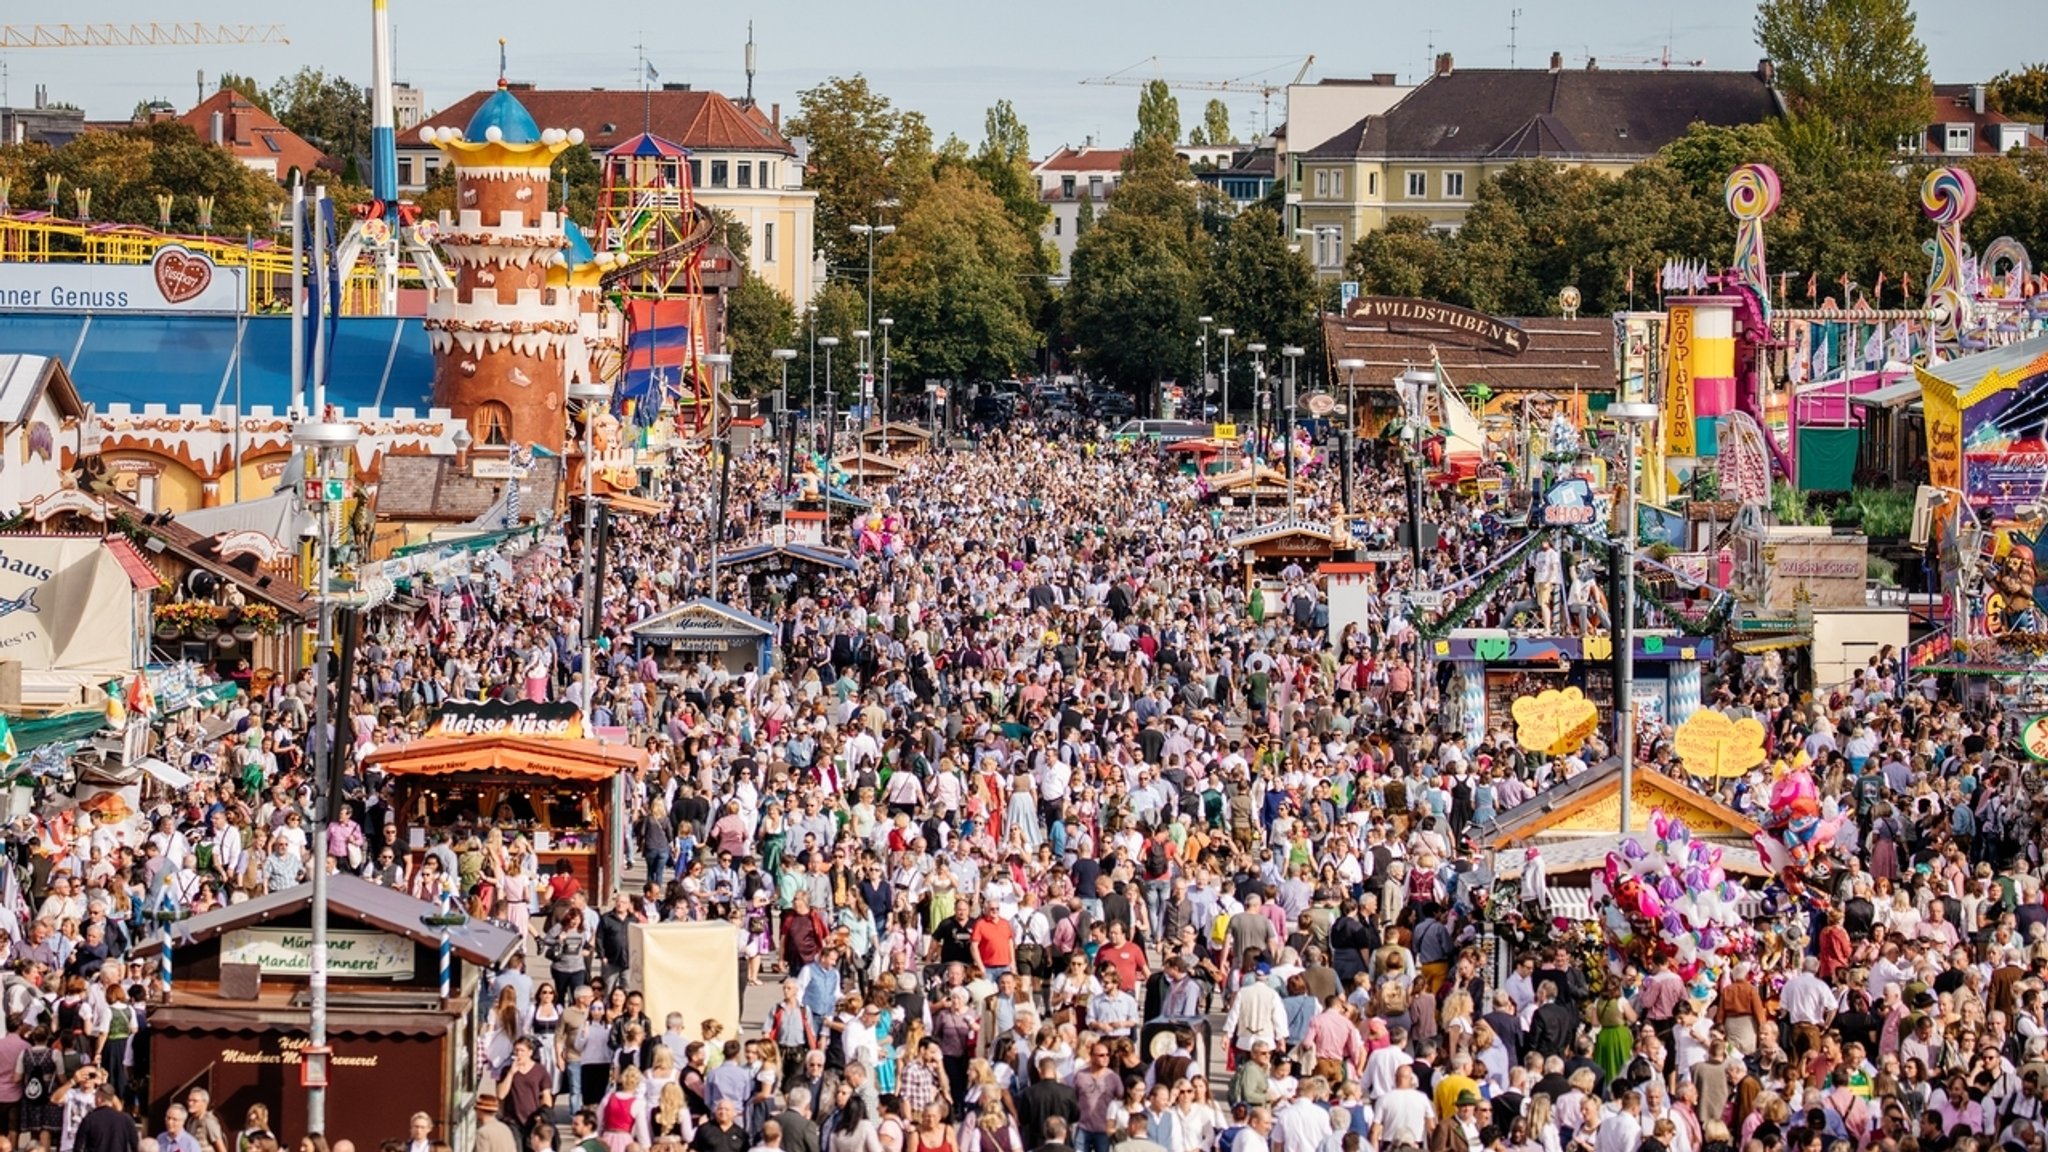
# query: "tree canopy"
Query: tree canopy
1856,67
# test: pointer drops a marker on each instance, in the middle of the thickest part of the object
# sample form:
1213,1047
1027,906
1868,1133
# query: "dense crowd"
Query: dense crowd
1055,840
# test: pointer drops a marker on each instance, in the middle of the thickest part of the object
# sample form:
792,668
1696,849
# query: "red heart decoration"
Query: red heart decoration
181,275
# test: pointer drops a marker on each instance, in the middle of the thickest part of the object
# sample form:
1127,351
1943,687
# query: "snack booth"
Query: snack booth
524,769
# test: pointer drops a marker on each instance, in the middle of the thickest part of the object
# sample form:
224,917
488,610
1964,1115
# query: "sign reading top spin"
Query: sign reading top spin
177,280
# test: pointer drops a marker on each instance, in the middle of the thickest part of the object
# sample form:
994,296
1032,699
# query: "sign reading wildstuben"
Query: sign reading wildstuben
1401,314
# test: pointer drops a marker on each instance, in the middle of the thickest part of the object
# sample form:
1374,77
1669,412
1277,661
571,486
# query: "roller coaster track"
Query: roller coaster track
698,236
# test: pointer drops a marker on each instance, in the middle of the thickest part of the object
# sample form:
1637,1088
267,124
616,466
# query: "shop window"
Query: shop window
491,425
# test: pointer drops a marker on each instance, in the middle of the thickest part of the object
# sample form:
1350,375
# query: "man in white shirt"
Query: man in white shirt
1809,1004
1407,1117
1384,1067
1621,1130
1304,1123
1257,1128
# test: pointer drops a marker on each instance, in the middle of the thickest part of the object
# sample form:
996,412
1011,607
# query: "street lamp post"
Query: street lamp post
1349,434
721,443
786,431
867,388
590,399
886,324
1203,391
1292,352
1258,351
870,231
1224,404
328,444
831,411
1633,417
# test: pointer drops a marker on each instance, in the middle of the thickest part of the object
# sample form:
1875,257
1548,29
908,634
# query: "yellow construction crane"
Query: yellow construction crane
1259,88
137,35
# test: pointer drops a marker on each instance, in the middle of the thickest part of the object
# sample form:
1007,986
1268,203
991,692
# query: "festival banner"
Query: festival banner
546,721
1678,389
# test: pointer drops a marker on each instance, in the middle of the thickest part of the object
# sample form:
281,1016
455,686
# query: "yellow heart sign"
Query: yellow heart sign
1548,719
1710,744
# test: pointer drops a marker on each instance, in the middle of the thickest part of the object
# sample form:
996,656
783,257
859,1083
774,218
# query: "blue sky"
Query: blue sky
949,60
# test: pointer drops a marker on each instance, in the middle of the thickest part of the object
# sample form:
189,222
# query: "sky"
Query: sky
949,60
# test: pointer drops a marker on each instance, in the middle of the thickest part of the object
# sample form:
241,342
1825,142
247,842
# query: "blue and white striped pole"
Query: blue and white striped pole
447,966
169,908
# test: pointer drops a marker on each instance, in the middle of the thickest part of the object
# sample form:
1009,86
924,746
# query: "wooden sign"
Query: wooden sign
1710,744
1554,719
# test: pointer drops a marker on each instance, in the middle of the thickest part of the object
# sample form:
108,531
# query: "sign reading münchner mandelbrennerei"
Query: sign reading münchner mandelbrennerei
350,955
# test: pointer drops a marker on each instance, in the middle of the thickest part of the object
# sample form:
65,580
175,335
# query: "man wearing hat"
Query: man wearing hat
492,1133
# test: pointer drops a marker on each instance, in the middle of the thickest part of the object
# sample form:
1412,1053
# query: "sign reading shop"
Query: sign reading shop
1429,317
176,280
546,721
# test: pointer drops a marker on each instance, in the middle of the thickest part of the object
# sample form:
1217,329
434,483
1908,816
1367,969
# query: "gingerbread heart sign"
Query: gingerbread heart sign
182,275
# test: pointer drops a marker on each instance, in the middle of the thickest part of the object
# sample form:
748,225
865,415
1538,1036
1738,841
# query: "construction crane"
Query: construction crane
1261,89
137,35
1661,60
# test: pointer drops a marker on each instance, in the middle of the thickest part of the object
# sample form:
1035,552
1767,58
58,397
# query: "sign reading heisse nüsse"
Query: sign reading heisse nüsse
177,280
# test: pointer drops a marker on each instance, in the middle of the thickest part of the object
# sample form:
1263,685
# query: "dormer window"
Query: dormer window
1958,139
1066,187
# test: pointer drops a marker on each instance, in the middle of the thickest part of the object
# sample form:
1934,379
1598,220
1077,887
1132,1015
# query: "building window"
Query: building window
1066,187
1418,185
1372,183
1454,185
1056,222
746,174
1337,184
1329,246
768,242
718,173
491,425
767,174
1095,188
1322,184
1958,138
696,173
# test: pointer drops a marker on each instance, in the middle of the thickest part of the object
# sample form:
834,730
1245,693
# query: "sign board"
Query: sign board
1711,744
1426,601
493,468
2034,738
1226,432
1347,291
1431,317
1320,404
177,280
350,955
547,721
1570,502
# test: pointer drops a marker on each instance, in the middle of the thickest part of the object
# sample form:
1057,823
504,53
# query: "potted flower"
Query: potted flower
266,620
187,616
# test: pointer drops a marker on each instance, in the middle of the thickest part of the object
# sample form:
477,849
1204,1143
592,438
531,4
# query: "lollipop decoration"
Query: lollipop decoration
1752,194
1948,196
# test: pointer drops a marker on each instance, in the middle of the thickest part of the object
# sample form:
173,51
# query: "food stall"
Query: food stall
401,1034
525,769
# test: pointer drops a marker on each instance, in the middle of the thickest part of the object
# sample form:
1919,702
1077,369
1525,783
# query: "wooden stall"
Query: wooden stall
235,1022
525,769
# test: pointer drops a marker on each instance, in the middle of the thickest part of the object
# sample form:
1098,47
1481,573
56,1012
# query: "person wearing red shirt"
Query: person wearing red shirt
995,943
1125,957
1833,946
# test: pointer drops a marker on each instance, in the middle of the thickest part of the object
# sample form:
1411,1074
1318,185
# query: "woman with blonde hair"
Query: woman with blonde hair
622,1114
1540,1121
661,1072
671,1118
992,1130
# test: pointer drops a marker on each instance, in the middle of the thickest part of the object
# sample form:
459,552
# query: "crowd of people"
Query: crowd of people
1042,836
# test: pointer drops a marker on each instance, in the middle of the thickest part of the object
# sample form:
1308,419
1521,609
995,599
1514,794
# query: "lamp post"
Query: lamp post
785,431
1633,418
721,443
867,386
886,324
870,231
1203,392
1258,351
328,444
831,410
1223,405
1292,352
811,409
589,399
1347,435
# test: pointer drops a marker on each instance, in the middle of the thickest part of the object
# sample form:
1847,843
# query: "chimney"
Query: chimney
1767,72
1557,61
1977,99
1592,63
775,117
1443,63
218,136
42,94
1385,79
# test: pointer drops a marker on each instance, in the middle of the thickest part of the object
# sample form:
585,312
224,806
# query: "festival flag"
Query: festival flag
1873,348
1819,367
1784,285
1906,287
1629,281
1902,343
141,701
1813,286
1877,293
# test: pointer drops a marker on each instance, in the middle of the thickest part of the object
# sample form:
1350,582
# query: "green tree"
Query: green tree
2022,95
128,169
439,194
577,167
1131,307
838,309
250,88
853,132
1158,114
1004,164
758,320
1529,230
1260,288
1216,123
329,111
1405,258
1084,215
954,279
1857,66
731,233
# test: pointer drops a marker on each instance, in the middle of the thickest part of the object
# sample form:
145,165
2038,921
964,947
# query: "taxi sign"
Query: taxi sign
1226,432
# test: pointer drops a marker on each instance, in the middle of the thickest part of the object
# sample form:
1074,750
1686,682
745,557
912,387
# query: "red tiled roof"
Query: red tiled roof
694,119
140,572
1085,160
252,134
1956,104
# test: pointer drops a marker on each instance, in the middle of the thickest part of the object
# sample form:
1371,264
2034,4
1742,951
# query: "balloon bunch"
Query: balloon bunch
1671,899
1798,829
881,531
